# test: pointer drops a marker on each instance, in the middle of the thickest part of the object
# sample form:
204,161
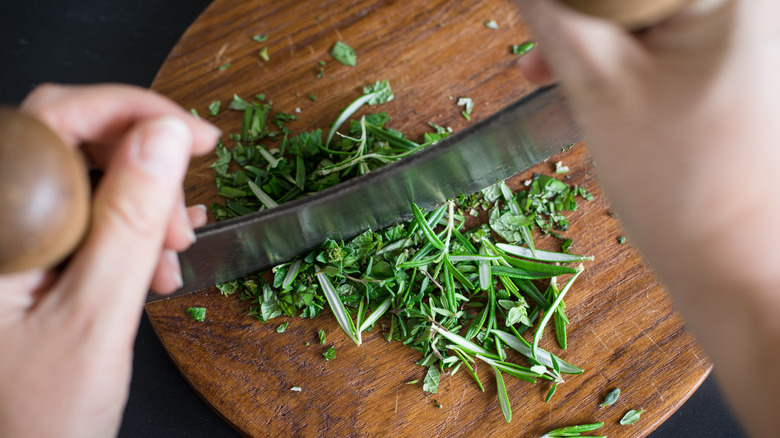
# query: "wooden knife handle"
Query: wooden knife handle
633,14
44,194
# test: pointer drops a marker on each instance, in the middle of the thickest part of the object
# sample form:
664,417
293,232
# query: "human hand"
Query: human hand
681,121
67,336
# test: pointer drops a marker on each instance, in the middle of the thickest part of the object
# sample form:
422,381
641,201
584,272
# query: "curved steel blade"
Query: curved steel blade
521,135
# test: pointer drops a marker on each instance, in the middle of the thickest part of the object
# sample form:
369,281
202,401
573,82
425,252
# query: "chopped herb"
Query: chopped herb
330,353
573,431
437,404
194,112
468,106
344,54
282,327
214,107
296,389
312,97
491,24
431,381
228,288
631,417
443,290
621,239
197,313
413,382
261,38
224,66
321,63
520,49
611,397
264,54
560,168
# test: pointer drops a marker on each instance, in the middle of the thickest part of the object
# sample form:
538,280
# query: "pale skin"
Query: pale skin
682,120
67,337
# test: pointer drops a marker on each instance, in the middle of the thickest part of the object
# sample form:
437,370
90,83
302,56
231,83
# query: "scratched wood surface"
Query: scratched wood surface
624,331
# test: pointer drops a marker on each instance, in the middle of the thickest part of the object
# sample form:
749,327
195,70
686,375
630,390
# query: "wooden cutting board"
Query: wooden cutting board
624,331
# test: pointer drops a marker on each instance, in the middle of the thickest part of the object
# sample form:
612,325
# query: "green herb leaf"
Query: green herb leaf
338,309
431,381
261,38
612,397
214,107
321,334
631,417
330,353
197,313
573,431
344,54
282,327
520,49
503,397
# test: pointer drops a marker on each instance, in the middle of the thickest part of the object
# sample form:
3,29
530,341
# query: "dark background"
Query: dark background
87,41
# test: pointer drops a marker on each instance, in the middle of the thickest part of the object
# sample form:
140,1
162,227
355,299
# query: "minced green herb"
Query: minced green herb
330,353
520,49
631,417
197,313
321,335
261,38
344,54
282,327
611,397
573,431
214,107
454,295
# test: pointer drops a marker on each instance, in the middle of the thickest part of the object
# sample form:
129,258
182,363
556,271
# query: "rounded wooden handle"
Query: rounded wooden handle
44,194
633,14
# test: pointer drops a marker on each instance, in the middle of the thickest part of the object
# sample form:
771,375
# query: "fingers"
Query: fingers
536,69
133,205
583,52
99,115
167,276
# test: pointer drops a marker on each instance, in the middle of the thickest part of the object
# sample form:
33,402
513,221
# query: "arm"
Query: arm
682,122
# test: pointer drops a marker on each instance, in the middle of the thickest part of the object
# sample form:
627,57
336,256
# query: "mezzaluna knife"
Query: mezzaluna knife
527,132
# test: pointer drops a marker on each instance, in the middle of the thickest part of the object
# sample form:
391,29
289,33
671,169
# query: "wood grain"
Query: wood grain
624,330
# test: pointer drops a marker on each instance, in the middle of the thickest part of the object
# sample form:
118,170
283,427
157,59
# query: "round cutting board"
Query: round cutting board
624,331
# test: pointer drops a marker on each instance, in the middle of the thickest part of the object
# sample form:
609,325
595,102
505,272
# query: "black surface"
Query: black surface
85,41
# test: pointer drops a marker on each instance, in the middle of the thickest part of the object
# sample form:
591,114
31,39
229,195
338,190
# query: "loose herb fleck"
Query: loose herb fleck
261,38
569,431
631,416
197,313
330,353
491,24
282,327
621,240
321,335
520,49
214,107
264,54
468,107
611,397
225,66
344,54
432,378
296,389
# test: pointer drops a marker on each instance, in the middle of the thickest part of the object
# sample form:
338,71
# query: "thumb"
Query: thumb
131,210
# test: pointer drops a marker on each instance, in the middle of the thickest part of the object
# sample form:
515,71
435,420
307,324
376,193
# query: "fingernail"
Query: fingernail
174,266
165,146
